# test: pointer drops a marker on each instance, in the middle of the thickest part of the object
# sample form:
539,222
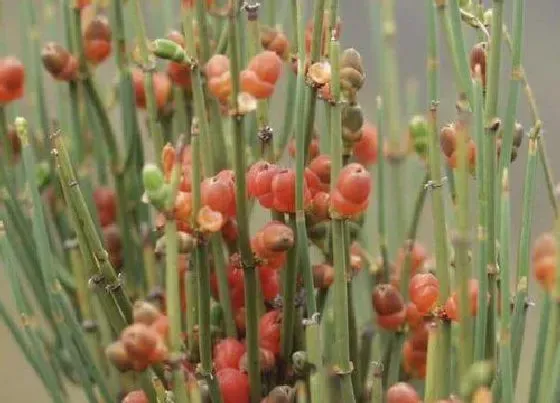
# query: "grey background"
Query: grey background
541,60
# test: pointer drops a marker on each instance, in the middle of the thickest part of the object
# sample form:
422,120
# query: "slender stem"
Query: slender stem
251,300
288,297
506,368
438,364
202,273
340,289
151,107
524,247
392,112
310,103
538,360
301,230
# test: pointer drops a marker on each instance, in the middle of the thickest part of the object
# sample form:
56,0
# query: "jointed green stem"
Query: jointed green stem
438,365
251,300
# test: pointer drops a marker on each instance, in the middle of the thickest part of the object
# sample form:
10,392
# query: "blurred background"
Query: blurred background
541,62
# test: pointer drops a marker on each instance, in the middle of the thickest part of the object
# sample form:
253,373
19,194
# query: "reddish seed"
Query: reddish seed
389,305
478,57
105,202
354,183
402,392
251,84
321,166
162,88
365,149
267,66
284,191
269,331
448,140
97,39
234,385
424,291
227,353
413,317
60,63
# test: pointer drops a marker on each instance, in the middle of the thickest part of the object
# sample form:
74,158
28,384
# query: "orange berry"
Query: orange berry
216,66
269,331
183,206
267,66
259,182
413,317
162,88
251,84
323,275
451,306
284,191
447,140
218,193
365,149
478,57
544,270
424,291
545,245
354,183
320,206
275,41
97,39
227,353
321,166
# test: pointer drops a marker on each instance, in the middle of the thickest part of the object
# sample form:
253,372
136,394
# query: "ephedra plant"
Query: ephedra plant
167,243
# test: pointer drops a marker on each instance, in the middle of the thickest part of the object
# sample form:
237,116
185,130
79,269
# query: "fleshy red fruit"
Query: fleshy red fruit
234,385
389,305
424,291
227,353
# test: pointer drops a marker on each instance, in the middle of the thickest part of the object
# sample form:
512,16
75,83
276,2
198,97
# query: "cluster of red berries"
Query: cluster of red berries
258,79
96,40
544,260
142,343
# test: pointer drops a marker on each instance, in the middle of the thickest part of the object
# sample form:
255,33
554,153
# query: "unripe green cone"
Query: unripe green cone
418,129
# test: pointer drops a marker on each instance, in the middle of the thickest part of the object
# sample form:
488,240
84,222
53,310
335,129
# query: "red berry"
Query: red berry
267,66
250,83
413,317
545,245
179,73
269,331
162,88
365,150
402,392
544,270
234,385
105,201
227,353
97,39
389,305
218,193
424,291
415,351
259,182
284,191
354,183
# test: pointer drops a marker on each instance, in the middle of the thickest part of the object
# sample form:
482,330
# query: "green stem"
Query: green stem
302,251
538,359
438,364
524,247
392,112
506,369
342,338
238,139
151,107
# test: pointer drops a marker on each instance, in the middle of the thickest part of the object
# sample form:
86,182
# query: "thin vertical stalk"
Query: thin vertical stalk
301,230
151,108
310,103
514,84
524,247
288,297
391,90
505,364
202,273
438,364
491,110
381,189
538,357
247,260
342,338
172,292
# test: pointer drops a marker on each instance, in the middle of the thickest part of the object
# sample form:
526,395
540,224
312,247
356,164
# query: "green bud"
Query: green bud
169,50
152,177
418,129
